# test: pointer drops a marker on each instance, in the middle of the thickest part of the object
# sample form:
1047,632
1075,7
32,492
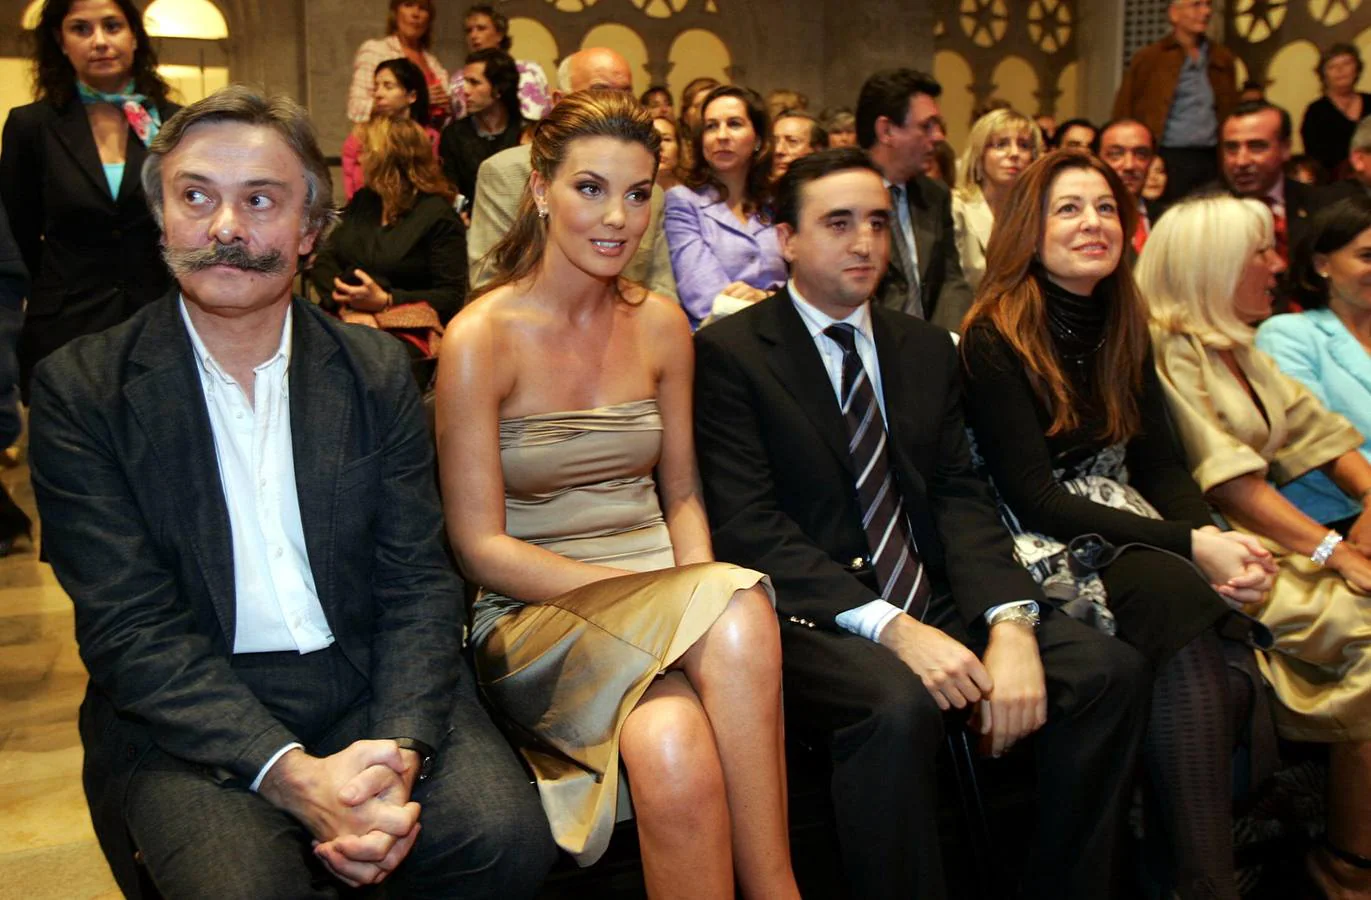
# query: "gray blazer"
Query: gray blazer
499,187
137,530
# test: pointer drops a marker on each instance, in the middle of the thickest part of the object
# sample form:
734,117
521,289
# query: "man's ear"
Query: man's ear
882,128
785,236
307,242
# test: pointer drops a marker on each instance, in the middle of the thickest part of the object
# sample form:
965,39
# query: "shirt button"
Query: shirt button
279,552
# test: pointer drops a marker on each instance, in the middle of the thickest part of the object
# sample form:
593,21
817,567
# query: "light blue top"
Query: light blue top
114,174
1316,349
1192,120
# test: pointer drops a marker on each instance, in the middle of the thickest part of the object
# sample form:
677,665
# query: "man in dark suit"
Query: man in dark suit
890,562
897,122
1358,184
238,494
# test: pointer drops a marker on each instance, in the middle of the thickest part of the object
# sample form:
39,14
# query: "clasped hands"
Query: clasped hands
356,803
1238,567
1007,686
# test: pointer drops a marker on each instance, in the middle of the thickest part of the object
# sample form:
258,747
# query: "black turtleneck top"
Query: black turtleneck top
1010,425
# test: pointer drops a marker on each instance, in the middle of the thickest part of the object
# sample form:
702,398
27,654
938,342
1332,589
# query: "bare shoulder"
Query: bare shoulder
662,317
476,341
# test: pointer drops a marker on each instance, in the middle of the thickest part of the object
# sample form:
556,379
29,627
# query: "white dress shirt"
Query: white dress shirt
869,619
275,601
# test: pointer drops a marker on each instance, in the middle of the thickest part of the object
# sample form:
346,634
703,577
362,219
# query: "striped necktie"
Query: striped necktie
893,555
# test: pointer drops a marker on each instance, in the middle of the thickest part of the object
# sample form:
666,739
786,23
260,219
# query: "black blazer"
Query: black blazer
945,292
94,259
778,480
137,530
420,257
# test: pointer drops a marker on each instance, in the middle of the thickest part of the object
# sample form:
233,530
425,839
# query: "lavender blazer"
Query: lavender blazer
710,249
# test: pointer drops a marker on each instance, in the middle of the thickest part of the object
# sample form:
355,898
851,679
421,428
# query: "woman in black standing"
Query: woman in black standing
69,174
1330,120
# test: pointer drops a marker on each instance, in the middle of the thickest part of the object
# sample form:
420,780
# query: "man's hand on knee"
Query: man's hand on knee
949,670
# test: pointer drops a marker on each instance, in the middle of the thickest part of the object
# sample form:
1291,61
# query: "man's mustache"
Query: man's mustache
183,261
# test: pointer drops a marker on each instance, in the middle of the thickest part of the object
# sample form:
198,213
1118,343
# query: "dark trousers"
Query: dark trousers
204,834
884,731
1188,169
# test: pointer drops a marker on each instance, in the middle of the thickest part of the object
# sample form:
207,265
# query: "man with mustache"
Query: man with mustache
238,494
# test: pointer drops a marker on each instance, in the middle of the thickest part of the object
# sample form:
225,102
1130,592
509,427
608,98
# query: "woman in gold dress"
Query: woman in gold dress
1245,425
604,632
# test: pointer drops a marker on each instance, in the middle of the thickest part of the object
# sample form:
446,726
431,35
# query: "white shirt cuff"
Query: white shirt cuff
990,613
257,782
869,619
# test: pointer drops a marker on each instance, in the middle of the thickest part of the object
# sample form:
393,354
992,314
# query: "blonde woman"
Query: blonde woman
1245,425
1002,143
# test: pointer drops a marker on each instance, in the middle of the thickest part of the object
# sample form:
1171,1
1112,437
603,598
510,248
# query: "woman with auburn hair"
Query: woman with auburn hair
689,117
400,93
397,260
1244,425
717,226
69,167
1001,145
1070,418
409,33
604,632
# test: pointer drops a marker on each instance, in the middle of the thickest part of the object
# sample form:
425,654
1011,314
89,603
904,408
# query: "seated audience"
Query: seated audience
841,125
603,631
1254,145
794,133
669,156
488,29
237,493
1154,188
492,122
898,593
80,219
400,94
1001,145
1047,124
1327,348
1070,418
501,179
1245,425
897,112
717,224
941,165
1074,134
1306,170
781,99
1128,148
1358,168
1330,120
409,33
398,260
657,101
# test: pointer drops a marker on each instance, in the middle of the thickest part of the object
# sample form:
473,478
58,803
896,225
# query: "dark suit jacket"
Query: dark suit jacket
778,479
137,530
420,257
94,258
944,290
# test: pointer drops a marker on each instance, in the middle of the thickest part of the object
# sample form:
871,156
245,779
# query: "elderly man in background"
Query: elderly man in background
237,493
1181,88
794,134
501,180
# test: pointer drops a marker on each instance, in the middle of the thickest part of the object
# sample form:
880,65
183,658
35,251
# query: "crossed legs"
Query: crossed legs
706,767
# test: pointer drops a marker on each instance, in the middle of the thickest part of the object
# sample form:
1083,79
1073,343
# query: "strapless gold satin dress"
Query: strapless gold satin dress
566,672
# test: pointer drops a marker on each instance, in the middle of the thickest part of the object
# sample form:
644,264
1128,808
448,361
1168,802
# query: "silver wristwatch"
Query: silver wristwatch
1022,613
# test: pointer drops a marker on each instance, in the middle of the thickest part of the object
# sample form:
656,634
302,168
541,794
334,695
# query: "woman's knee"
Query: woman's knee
668,747
749,630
